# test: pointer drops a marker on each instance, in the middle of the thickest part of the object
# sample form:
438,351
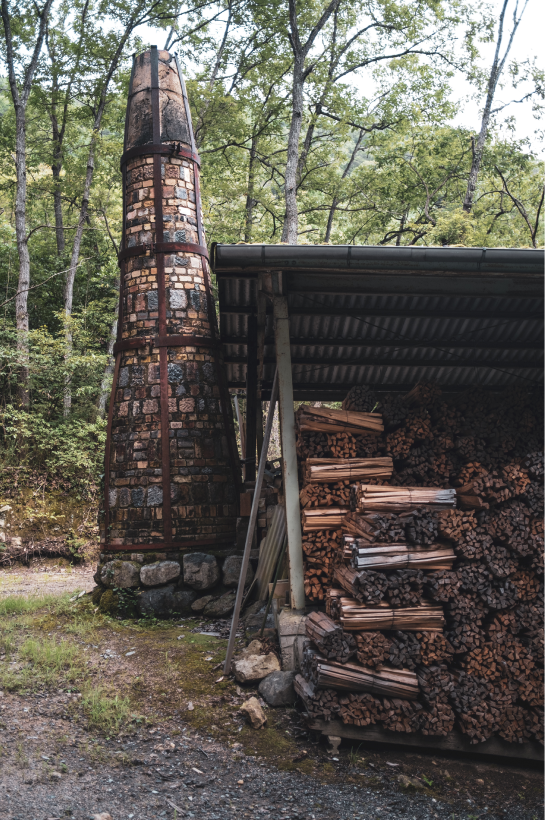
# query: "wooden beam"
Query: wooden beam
289,454
251,399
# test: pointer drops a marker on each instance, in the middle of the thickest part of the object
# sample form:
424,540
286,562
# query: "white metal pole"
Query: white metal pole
251,526
289,453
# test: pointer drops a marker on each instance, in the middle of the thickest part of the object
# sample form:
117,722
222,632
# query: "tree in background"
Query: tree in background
492,82
24,32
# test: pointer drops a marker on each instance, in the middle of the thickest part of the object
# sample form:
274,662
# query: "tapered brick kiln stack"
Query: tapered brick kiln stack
171,465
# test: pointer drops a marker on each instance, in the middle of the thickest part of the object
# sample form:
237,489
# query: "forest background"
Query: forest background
316,122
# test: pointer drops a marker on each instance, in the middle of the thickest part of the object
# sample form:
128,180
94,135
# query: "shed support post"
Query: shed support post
289,454
251,400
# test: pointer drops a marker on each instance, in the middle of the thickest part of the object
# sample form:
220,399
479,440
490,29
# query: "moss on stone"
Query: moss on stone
97,595
109,603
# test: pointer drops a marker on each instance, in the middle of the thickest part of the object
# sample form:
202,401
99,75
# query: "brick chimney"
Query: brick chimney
172,472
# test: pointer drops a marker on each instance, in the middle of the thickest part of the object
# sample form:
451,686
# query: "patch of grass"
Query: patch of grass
52,660
20,757
109,714
21,604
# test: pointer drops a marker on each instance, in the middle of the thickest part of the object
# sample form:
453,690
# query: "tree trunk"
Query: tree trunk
108,371
21,300
20,100
71,275
495,73
335,202
250,195
289,233
57,202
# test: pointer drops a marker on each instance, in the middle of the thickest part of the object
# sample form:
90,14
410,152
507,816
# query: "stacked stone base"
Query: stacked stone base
168,585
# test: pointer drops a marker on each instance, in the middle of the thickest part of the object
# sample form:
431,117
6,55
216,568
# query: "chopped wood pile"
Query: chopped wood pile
431,573
327,470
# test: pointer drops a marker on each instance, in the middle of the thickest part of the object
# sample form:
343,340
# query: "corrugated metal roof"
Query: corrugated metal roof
464,317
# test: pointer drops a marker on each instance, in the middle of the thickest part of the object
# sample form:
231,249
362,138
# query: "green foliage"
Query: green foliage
65,448
380,163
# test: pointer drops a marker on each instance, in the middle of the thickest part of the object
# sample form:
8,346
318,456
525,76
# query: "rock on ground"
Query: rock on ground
161,572
200,603
231,571
166,601
253,648
120,574
201,571
254,713
255,667
277,689
220,607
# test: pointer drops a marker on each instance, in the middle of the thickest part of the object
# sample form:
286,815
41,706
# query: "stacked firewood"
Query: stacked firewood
435,571
325,495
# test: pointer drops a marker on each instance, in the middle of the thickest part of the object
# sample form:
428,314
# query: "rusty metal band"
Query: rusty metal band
174,340
164,148
161,296
161,546
107,453
162,247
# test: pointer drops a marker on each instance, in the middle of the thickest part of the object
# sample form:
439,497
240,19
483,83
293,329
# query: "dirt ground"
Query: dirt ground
46,577
135,719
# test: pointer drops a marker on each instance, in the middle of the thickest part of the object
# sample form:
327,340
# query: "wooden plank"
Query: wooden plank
454,742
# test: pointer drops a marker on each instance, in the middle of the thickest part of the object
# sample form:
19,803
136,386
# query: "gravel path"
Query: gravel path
53,768
45,579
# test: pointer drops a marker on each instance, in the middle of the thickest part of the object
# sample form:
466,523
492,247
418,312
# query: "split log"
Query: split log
534,464
395,556
325,495
321,704
514,725
535,724
367,587
330,470
465,637
322,519
329,638
360,709
404,588
442,586
361,399
422,527
399,499
342,421
401,715
435,683
333,603
373,648
500,561
434,648
467,608
437,720
375,527
423,393
356,617
354,678
405,650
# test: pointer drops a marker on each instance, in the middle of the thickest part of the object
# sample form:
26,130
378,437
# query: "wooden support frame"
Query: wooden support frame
455,741
251,400
289,454
251,529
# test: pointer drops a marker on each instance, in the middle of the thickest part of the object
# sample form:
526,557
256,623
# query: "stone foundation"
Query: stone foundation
173,584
